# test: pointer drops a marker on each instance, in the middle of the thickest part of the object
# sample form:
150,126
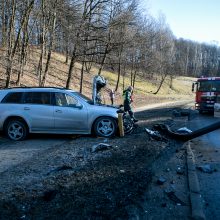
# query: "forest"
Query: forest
110,34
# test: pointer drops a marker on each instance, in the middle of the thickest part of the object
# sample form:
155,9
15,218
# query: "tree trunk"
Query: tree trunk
161,83
23,54
103,59
119,68
50,45
72,64
4,24
67,54
134,79
132,69
42,43
10,46
82,75
12,49
171,82
119,75
123,86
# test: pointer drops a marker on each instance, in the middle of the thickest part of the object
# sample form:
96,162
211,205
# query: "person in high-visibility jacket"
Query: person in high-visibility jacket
128,99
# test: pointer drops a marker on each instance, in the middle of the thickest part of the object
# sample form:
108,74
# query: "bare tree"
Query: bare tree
51,41
12,46
4,18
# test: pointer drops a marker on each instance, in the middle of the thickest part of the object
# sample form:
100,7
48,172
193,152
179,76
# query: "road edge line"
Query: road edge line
194,187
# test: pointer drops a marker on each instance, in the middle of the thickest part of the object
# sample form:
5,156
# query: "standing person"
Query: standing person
112,96
128,99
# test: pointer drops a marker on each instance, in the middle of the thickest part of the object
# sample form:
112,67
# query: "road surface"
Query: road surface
13,153
206,149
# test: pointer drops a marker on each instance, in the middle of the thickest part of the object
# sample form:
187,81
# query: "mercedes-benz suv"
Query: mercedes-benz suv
54,111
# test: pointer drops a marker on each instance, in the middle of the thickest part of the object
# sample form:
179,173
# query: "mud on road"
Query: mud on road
67,180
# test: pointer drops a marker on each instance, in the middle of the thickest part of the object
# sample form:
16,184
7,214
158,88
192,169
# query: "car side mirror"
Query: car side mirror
79,106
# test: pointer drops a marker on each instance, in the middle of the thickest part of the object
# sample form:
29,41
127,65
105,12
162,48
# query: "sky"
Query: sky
197,20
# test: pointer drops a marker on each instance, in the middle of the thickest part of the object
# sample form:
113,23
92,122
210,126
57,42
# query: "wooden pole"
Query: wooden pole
120,124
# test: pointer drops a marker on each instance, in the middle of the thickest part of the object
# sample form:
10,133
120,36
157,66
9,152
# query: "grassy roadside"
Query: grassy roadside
144,88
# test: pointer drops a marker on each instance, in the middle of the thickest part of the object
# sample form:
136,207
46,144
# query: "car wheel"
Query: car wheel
105,127
16,130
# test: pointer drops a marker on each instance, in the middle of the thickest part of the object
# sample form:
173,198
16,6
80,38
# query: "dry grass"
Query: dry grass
181,87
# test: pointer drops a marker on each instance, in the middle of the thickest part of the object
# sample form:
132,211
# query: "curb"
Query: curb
194,187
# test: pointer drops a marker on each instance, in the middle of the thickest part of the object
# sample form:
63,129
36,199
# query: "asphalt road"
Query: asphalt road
206,149
12,153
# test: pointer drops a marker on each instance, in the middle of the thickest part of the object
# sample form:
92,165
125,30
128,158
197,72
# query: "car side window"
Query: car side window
71,101
62,99
42,98
13,97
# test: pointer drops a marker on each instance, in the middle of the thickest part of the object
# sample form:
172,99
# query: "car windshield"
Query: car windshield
209,86
85,98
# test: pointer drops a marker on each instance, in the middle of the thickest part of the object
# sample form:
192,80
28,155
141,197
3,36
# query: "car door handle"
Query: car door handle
58,111
26,108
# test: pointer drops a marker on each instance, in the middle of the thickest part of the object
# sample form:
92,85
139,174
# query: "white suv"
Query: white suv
54,111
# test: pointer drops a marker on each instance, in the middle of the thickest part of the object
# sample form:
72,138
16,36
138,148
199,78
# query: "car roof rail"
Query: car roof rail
37,87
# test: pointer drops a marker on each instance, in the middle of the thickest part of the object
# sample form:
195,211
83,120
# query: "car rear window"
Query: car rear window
13,97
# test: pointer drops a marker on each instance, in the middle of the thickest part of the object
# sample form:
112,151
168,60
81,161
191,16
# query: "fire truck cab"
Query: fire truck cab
207,89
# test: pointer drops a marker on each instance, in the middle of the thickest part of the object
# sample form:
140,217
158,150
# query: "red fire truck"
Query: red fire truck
207,90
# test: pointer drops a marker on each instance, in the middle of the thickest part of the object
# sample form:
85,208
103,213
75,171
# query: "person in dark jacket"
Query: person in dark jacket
128,99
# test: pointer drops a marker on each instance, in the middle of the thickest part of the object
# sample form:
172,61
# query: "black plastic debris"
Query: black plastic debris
101,147
172,196
182,113
161,180
180,170
176,113
155,135
206,168
61,168
49,195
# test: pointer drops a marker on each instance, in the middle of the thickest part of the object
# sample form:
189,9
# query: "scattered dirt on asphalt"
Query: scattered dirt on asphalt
71,182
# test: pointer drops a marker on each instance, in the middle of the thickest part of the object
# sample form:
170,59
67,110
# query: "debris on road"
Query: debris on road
172,196
96,178
155,135
180,113
187,136
184,130
180,170
61,168
206,168
101,147
49,195
161,180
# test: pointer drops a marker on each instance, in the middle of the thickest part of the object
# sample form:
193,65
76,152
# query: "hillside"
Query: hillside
181,86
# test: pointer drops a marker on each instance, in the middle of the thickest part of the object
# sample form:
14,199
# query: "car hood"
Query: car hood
107,110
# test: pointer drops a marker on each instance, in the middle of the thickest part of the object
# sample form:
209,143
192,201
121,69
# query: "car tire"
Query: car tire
16,130
105,127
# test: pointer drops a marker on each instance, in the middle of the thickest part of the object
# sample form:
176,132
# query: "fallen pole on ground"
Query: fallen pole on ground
188,136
